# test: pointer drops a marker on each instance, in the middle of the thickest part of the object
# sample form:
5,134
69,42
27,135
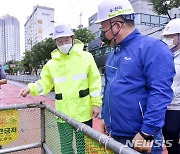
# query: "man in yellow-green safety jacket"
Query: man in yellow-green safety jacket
74,75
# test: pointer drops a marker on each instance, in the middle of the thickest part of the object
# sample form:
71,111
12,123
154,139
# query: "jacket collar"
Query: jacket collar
130,38
76,49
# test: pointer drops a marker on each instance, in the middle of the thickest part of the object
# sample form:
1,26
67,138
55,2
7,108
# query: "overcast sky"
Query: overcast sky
65,11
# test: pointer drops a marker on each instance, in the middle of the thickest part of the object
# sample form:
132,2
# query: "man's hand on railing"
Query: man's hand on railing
141,145
24,92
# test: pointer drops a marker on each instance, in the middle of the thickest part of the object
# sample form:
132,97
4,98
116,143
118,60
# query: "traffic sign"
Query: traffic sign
6,67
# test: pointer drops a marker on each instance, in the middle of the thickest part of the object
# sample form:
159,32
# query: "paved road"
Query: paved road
50,95
9,95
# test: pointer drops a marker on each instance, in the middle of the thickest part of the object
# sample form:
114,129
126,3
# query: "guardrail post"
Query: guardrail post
42,114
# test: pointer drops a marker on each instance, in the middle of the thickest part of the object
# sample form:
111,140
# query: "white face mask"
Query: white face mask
65,48
169,42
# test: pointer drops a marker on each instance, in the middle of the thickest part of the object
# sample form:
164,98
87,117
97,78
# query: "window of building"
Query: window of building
163,21
155,20
39,21
39,31
151,20
145,18
137,19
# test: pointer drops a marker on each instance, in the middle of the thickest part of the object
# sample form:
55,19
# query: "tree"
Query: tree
84,35
12,65
163,6
39,54
27,60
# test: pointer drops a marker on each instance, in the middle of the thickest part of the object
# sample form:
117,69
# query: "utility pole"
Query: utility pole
80,26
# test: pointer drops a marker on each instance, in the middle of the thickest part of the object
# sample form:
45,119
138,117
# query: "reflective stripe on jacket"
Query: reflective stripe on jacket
2,73
76,80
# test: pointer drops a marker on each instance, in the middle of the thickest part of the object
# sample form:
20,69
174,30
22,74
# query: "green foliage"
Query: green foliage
162,6
39,54
14,66
84,35
27,61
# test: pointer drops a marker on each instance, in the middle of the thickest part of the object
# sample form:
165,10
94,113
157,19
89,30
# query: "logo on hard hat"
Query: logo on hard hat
117,8
59,32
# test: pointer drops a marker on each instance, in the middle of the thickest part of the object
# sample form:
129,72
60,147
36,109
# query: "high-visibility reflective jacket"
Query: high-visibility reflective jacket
76,80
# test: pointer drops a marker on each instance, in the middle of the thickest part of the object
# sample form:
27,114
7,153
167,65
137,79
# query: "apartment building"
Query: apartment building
9,39
39,25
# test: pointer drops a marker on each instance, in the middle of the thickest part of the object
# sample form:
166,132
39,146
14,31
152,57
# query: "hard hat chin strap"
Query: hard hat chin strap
114,35
72,45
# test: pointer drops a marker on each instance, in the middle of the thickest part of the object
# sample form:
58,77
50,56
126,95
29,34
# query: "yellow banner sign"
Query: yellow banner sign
8,126
94,147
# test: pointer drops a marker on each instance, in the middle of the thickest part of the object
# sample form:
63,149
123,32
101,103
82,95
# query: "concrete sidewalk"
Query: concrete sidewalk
9,95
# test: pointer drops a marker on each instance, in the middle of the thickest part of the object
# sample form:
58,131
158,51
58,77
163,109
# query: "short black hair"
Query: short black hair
130,23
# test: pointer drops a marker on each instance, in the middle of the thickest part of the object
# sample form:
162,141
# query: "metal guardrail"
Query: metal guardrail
103,139
32,78
23,78
20,148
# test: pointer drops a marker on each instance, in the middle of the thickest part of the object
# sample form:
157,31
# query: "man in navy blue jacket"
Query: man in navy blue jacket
139,74
2,76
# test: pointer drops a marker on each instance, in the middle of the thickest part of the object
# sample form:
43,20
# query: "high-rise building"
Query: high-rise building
39,25
9,39
2,42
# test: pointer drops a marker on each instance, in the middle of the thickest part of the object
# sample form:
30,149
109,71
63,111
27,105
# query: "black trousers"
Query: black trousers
171,130
89,123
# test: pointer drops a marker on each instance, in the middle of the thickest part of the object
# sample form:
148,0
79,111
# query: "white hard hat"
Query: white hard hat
111,8
173,27
62,30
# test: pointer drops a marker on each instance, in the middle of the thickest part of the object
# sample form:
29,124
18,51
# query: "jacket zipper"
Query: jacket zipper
141,109
110,92
109,95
